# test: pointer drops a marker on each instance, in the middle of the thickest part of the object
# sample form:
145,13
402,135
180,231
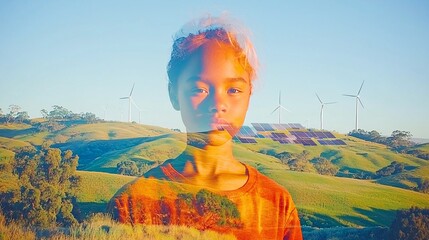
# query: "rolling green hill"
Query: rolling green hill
323,201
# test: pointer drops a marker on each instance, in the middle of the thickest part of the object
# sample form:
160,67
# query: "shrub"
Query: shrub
324,166
411,224
393,168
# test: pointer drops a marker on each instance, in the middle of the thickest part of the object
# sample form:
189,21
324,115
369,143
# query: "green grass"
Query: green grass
346,202
9,143
96,190
327,201
148,152
110,130
14,126
422,147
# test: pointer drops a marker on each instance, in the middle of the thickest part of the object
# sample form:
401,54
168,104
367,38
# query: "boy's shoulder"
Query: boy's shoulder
265,185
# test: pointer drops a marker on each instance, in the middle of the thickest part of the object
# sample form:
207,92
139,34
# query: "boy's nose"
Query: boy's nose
217,103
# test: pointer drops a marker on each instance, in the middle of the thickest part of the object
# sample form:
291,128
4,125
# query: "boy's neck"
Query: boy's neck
207,160
211,166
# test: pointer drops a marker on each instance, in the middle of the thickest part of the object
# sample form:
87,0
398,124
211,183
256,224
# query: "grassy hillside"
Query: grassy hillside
322,201
423,147
81,132
348,202
149,151
97,189
357,157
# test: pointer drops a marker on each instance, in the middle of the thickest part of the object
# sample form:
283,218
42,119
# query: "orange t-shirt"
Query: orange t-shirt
260,209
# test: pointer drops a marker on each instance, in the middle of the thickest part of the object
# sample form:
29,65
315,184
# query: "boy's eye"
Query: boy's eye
199,90
234,90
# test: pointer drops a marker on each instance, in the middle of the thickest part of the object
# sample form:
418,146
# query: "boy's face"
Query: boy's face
213,93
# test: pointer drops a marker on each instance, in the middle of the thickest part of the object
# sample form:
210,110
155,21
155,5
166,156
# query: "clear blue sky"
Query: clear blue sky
85,55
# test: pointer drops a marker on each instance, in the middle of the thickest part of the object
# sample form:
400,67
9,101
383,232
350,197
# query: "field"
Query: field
323,201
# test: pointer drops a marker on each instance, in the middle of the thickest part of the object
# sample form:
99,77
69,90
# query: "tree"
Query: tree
45,113
324,166
285,157
89,117
301,163
372,136
22,117
13,111
127,168
59,113
423,186
393,168
411,224
400,140
46,193
215,209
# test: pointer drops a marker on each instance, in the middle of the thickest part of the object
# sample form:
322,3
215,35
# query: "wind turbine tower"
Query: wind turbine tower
357,97
130,100
321,110
280,107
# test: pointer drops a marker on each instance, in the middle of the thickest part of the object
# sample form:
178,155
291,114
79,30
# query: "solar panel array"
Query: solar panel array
291,133
312,134
246,140
332,142
268,127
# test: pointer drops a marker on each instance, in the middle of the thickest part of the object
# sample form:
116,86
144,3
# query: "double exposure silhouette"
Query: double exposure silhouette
211,71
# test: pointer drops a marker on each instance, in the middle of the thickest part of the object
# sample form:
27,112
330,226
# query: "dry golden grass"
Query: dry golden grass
14,231
101,226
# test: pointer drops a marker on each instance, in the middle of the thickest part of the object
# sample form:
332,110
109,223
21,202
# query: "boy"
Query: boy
210,82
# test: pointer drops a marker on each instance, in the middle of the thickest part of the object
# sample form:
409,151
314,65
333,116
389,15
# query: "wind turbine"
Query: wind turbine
357,97
321,110
280,107
130,100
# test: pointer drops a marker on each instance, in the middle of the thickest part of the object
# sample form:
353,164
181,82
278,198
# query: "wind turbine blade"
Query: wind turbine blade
283,108
319,99
280,97
330,102
132,89
135,105
361,87
348,95
360,102
275,109
124,97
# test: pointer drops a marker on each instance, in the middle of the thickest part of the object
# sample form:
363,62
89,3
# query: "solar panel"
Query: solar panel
246,131
284,141
311,134
246,140
339,142
308,142
258,127
295,125
329,135
267,127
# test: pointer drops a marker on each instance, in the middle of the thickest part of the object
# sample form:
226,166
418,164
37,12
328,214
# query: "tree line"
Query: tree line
43,192
398,141
55,119
302,162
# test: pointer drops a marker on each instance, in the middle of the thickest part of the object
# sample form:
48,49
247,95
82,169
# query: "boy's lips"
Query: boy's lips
219,124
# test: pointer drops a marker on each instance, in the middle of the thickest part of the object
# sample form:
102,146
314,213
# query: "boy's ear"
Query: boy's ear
173,97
